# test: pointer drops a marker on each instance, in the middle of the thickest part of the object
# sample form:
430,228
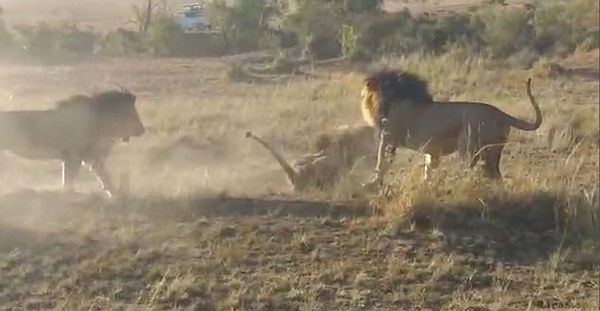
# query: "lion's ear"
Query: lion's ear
369,84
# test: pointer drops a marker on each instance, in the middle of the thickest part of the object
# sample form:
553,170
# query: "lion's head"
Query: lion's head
388,87
114,111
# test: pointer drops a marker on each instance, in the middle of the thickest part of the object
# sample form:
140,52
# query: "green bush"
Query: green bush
388,34
565,25
592,41
360,55
202,44
79,41
248,25
317,29
167,39
401,33
551,27
52,41
507,30
356,29
501,31
354,7
164,35
275,39
123,42
348,38
457,29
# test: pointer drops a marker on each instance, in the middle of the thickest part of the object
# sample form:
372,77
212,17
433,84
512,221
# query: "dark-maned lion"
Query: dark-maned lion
335,156
79,130
399,104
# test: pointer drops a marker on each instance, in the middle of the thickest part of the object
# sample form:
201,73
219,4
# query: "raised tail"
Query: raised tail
290,172
528,126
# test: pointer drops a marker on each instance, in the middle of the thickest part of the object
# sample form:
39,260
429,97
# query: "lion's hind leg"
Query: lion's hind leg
432,161
491,156
468,149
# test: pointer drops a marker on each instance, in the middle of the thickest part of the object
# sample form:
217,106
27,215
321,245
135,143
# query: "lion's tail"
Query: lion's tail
528,126
290,172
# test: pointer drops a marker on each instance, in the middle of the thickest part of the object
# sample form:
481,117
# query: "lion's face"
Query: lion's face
125,120
370,98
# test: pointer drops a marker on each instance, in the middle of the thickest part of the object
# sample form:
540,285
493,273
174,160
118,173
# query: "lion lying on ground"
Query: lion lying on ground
79,130
399,105
335,156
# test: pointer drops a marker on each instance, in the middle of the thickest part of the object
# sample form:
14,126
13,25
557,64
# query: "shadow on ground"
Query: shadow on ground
16,238
523,229
588,74
181,208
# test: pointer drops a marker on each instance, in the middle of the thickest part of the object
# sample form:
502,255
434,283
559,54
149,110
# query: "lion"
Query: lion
335,156
399,105
79,130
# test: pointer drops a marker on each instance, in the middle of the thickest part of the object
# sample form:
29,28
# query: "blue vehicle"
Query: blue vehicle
192,19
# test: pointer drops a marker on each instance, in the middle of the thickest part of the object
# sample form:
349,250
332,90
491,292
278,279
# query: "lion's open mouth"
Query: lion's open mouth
125,139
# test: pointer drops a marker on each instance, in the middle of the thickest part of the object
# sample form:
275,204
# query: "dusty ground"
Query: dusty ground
208,222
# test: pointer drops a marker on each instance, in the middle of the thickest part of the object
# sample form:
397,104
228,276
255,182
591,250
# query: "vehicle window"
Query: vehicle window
191,14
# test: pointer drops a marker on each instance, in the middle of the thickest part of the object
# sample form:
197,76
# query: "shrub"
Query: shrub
123,42
457,29
589,43
551,28
360,54
506,30
248,25
401,33
280,39
204,44
321,47
317,28
164,35
167,39
378,30
348,38
79,41
501,31
51,41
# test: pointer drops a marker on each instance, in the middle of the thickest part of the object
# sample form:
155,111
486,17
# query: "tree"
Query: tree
144,13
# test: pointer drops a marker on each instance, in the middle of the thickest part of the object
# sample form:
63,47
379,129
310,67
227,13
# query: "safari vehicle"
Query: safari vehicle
192,19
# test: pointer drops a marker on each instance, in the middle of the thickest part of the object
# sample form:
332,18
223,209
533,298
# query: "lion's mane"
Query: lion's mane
388,87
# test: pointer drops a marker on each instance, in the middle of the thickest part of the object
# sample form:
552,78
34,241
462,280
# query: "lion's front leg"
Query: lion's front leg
432,161
70,170
385,152
98,168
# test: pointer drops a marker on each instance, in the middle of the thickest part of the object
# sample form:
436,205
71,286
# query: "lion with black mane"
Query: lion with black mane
400,106
78,130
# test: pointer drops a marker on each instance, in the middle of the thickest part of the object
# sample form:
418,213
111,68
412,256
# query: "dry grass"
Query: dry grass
208,221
